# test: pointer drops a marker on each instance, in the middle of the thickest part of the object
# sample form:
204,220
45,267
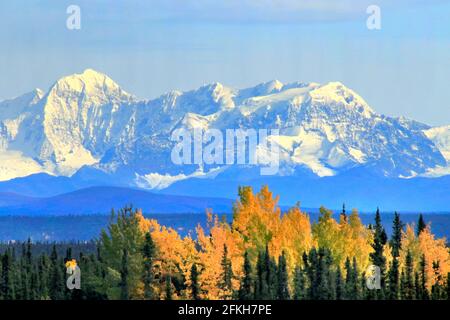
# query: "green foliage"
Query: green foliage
148,254
246,290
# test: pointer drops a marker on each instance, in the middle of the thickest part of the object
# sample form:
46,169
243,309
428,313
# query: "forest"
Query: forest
262,254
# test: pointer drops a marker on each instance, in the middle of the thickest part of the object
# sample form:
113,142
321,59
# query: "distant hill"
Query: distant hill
100,200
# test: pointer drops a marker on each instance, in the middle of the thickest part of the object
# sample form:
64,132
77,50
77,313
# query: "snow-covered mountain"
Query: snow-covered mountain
86,126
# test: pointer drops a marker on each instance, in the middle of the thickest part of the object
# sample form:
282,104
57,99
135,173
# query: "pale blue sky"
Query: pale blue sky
151,47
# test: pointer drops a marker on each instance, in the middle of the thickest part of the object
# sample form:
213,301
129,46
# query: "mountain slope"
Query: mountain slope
100,200
87,131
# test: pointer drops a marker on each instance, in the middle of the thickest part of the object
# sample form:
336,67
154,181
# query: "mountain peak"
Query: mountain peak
337,92
89,82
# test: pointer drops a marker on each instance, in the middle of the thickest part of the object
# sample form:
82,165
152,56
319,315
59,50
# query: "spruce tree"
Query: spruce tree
246,288
424,294
377,257
7,280
124,273
300,284
409,277
448,286
436,288
57,283
421,225
227,275
148,253
195,286
357,288
396,245
283,285
349,281
344,213
340,285
396,240
394,280
168,290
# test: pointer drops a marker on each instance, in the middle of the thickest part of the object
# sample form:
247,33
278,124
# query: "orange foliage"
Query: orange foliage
210,256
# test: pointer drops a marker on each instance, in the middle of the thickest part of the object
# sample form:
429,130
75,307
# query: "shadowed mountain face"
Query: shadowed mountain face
87,131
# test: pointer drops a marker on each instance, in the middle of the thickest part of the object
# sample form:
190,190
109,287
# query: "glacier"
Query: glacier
86,125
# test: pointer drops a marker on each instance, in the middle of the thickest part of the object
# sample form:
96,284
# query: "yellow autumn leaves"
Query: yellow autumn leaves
258,222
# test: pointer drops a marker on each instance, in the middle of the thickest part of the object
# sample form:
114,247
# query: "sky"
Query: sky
152,47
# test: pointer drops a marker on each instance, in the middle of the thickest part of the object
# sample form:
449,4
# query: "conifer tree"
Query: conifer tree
394,272
299,284
195,286
394,280
396,240
6,280
436,288
148,253
283,285
424,295
377,257
448,286
340,285
409,277
227,274
124,288
357,288
57,283
168,290
246,288
349,285
421,225
344,213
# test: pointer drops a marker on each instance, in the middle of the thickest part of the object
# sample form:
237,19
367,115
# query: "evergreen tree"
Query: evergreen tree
352,284
266,284
169,290
417,289
349,281
340,285
403,285
195,286
377,256
227,275
148,253
394,280
436,289
396,240
44,279
324,291
299,284
448,286
246,288
57,283
396,245
283,285
421,225
409,277
344,213
357,288
6,280
124,287
424,295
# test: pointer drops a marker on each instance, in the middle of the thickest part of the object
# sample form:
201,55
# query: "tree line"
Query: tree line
262,254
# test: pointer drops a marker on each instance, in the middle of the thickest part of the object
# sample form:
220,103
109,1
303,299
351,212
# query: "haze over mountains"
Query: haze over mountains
86,131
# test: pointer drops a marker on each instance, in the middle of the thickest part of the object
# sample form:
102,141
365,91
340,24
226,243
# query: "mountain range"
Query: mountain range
87,131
